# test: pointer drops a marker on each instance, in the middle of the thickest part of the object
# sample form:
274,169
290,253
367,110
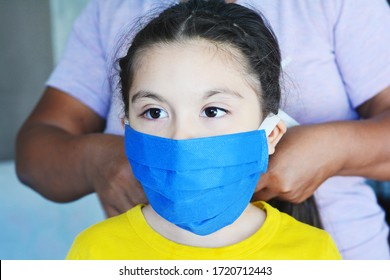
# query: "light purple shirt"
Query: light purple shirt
337,57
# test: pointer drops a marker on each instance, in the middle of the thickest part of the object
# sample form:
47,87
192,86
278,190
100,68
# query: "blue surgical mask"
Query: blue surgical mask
201,184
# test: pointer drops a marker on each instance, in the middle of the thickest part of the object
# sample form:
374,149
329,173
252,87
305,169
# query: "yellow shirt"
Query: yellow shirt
128,236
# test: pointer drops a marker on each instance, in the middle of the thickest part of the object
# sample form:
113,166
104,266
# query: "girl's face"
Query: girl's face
191,89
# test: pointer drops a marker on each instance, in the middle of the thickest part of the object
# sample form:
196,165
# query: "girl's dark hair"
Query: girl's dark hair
217,22
224,24
306,211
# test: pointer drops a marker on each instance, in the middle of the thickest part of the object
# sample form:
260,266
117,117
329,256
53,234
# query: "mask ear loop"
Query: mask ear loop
126,121
288,120
269,123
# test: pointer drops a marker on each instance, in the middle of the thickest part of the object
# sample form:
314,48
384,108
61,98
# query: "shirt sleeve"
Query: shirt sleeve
362,40
82,71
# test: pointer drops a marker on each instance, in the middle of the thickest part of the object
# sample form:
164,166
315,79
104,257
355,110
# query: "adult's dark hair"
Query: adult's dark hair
232,25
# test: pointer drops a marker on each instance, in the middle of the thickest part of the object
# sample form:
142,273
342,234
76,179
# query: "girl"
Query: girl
197,83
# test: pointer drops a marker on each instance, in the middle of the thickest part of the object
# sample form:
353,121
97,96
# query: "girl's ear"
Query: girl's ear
275,136
123,122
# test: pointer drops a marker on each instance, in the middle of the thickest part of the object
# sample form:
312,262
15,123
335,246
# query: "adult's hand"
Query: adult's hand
62,153
111,177
304,158
308,155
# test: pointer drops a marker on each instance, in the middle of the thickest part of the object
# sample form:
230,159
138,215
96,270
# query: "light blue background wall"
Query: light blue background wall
33,228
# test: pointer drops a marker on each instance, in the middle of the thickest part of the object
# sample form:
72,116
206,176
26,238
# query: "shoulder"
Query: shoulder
103,231
117,226
305,241
97,241
317,243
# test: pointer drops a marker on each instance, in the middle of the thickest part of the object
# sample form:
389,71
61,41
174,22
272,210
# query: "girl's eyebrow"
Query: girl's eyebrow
147,94
213,92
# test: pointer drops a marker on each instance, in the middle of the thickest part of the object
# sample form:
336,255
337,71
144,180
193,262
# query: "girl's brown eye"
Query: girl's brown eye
154,113
213,112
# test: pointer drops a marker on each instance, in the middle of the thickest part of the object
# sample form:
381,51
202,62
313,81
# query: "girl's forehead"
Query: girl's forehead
221,49
192,63
191,66
196,51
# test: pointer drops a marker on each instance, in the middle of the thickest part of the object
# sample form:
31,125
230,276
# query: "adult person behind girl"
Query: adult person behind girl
195,143
339,66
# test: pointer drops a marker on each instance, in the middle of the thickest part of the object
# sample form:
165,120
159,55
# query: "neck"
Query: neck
245,226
